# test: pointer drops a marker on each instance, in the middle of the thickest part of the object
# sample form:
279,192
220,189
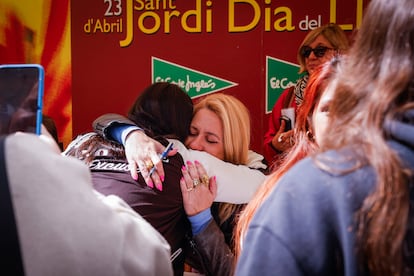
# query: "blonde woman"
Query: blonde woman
220,126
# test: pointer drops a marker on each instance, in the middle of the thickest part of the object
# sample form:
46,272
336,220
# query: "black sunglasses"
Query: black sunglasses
318,51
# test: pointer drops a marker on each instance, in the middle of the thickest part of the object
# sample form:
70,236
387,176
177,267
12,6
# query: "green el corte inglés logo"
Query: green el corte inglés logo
194,82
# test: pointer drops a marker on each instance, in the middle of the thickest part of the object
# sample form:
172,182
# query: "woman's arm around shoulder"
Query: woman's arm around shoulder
235,183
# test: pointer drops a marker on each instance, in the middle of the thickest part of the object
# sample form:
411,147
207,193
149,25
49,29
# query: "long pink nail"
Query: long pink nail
162,177
196,162
151,184
183,168
159,187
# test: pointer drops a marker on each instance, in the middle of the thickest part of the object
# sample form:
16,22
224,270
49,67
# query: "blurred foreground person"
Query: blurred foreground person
350,209
64,227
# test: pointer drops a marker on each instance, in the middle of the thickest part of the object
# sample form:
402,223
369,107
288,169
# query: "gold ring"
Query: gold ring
149,164
196,182
205,179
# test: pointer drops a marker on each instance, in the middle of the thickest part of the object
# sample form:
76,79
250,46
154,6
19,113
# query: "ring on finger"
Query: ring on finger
149,164
204,179
190,189
196,182
280,139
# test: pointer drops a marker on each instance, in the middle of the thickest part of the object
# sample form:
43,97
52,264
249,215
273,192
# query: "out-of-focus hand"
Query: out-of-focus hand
283,141
143,152
198,190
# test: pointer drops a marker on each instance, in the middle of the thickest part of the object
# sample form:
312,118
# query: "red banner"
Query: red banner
114,44
39,32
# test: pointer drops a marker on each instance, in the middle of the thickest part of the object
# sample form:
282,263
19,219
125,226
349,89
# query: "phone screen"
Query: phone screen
21,96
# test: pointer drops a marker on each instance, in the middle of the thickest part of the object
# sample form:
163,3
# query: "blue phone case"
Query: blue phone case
40,88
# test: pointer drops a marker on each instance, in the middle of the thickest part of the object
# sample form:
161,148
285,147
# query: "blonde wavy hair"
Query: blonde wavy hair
235,118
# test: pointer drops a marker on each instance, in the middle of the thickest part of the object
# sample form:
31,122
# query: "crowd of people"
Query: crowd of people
334,195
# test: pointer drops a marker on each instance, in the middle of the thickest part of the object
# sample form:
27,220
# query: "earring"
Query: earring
309,134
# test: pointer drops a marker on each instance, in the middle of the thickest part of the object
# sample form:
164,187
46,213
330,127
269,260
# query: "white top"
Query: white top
67,228
235,183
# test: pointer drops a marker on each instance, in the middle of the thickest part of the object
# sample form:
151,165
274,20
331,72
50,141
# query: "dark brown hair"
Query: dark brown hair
377,85
163,109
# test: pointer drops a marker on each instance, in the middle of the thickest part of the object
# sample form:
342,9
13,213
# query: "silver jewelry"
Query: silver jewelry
196,182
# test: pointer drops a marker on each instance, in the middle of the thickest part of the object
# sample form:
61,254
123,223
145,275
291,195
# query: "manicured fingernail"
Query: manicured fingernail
159,187
189,163
151,184
135,177
196,162
214,178
162,177
183,168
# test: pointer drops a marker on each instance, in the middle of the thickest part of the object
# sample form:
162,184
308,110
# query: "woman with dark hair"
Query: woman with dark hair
350,209
163,111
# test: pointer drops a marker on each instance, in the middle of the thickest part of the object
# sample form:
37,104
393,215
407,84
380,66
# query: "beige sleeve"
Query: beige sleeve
67,228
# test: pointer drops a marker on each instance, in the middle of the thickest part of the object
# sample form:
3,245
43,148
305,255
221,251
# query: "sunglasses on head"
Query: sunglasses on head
318,51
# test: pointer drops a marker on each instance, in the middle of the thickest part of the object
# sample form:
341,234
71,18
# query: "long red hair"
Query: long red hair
304,146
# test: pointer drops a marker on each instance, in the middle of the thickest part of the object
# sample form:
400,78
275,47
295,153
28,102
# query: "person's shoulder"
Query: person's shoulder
177,144
79,140
284,94
22,147
28,145
304,171
332,174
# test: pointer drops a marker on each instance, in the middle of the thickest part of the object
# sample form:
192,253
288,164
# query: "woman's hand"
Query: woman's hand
198,190
283,141
143,152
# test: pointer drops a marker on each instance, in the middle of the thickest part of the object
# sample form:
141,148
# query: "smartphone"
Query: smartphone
21,98
288,122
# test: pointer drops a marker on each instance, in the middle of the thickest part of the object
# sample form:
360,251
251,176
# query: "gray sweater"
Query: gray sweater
307,226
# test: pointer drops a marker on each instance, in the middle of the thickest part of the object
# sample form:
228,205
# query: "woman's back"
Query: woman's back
161,110
162,209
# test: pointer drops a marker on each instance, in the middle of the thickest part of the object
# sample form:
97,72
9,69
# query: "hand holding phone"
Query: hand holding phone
288,122
21,98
